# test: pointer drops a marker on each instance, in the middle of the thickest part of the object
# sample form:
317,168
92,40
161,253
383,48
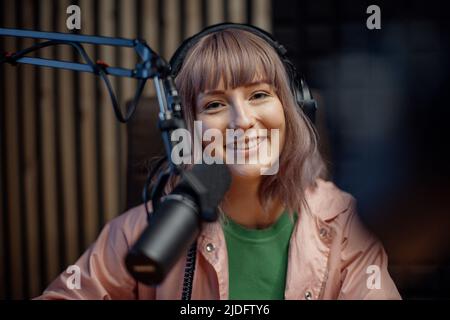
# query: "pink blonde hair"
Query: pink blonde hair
237,57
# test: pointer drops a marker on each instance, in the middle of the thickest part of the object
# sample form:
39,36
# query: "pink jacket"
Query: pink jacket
331,256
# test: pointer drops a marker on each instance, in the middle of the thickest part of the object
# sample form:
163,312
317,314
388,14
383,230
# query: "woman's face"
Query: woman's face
250,108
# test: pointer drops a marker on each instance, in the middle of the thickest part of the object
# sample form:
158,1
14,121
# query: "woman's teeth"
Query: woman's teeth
252,143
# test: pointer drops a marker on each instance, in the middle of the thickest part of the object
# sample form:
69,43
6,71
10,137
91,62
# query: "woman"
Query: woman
286,235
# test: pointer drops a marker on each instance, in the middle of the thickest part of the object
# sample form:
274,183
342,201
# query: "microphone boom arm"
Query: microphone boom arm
152,66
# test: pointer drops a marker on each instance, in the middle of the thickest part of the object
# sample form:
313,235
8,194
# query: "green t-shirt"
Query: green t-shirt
257,259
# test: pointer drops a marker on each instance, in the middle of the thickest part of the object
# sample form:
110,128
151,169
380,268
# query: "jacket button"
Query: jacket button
308,295
210,247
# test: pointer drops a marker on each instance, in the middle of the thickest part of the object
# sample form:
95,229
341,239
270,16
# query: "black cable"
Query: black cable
116,107
188,280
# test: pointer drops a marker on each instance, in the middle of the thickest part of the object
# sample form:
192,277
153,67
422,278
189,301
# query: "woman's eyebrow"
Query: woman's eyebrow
212,92
252,84
256,83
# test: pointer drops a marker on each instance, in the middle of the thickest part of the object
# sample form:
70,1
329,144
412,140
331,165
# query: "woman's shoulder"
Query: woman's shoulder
336,209
327,202
130,224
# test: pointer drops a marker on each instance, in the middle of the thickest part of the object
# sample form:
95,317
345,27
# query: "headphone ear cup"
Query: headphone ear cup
301,91
298,95
309,107
306,101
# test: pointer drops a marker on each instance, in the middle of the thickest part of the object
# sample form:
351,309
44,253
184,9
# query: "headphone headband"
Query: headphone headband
299,87
178,57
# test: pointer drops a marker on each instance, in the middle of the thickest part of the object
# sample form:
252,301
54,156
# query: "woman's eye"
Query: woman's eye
259,95
212,106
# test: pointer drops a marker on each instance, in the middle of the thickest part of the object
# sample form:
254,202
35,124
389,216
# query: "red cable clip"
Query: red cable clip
8,58
102,64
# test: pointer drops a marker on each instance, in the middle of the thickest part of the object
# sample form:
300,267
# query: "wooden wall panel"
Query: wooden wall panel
48,143
215,11
87,129
62,152
237,11
67,110
30,160
128,24
108,160
171,27
3,202
261,10
13,225
193,18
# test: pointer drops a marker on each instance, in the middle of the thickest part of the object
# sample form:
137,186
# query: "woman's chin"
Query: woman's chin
246,171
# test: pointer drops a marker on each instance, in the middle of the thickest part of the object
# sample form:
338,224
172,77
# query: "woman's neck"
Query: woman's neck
243,206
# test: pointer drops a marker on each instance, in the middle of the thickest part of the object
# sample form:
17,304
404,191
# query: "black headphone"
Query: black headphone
299,87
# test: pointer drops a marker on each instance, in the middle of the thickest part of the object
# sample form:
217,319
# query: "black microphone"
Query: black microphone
176,223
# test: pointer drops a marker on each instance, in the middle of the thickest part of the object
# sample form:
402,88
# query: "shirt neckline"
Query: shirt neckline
236,230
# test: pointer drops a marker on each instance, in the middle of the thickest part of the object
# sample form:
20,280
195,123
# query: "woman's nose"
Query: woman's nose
242,117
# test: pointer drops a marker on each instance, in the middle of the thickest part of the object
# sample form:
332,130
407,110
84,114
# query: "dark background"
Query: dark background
383,119
385,98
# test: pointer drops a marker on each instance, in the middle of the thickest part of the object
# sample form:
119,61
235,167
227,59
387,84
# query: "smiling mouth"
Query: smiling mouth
248,145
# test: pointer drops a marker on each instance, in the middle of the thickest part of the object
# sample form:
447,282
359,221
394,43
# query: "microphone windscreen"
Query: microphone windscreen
214,178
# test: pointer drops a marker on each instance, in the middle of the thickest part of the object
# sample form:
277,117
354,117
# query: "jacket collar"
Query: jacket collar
326,201
309,245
